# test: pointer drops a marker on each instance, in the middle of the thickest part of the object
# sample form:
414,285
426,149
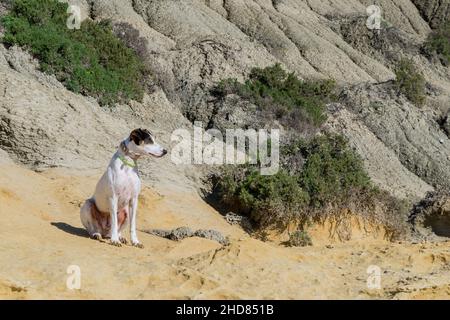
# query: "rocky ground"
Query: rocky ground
54,145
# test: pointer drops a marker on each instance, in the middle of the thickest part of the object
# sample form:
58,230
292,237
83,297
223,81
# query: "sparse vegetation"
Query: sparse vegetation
299,238
283,94
410,82
438,43
91,61
330,180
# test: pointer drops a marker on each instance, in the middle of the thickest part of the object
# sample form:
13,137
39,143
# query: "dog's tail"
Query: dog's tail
85,214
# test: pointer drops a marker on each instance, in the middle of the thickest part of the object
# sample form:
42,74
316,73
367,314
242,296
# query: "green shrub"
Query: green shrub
331,170
283,94
410,82
299,238
438,43
330,181
267,200
91,61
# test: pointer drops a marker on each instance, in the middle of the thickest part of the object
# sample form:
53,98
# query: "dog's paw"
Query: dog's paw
96,236
115,243
123,240
138,245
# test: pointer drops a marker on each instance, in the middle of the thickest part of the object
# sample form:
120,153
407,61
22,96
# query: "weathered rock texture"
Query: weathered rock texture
44,125
193,44
381,162
410,132
435,12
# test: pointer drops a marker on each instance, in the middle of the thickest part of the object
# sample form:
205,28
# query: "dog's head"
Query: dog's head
142,143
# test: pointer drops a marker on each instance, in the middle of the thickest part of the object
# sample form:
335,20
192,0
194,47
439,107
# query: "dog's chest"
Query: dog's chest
126,186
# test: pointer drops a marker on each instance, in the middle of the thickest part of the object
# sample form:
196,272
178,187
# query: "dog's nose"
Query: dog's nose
164,152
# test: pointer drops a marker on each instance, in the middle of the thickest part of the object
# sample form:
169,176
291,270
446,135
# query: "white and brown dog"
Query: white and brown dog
115,200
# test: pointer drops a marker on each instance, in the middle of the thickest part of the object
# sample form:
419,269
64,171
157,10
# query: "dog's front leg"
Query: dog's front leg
114,223
133,235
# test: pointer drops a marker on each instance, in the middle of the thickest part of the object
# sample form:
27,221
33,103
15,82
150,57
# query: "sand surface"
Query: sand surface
41,236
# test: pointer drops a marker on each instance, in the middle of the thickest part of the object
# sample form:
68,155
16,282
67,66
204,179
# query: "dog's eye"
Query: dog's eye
149,139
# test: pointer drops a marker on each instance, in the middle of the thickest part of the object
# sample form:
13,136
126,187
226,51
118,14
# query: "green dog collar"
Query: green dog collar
127,162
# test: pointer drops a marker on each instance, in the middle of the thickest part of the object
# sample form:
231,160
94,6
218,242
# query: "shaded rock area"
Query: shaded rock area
431,216
435,12
446,124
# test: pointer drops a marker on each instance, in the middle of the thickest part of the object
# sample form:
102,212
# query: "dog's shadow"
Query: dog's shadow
71,229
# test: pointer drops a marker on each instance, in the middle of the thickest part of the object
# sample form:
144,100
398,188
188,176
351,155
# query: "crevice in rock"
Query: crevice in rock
444,124
91,4
399,6
283,29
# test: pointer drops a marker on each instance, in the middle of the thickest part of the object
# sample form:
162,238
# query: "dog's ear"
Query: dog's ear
140,135
137,136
